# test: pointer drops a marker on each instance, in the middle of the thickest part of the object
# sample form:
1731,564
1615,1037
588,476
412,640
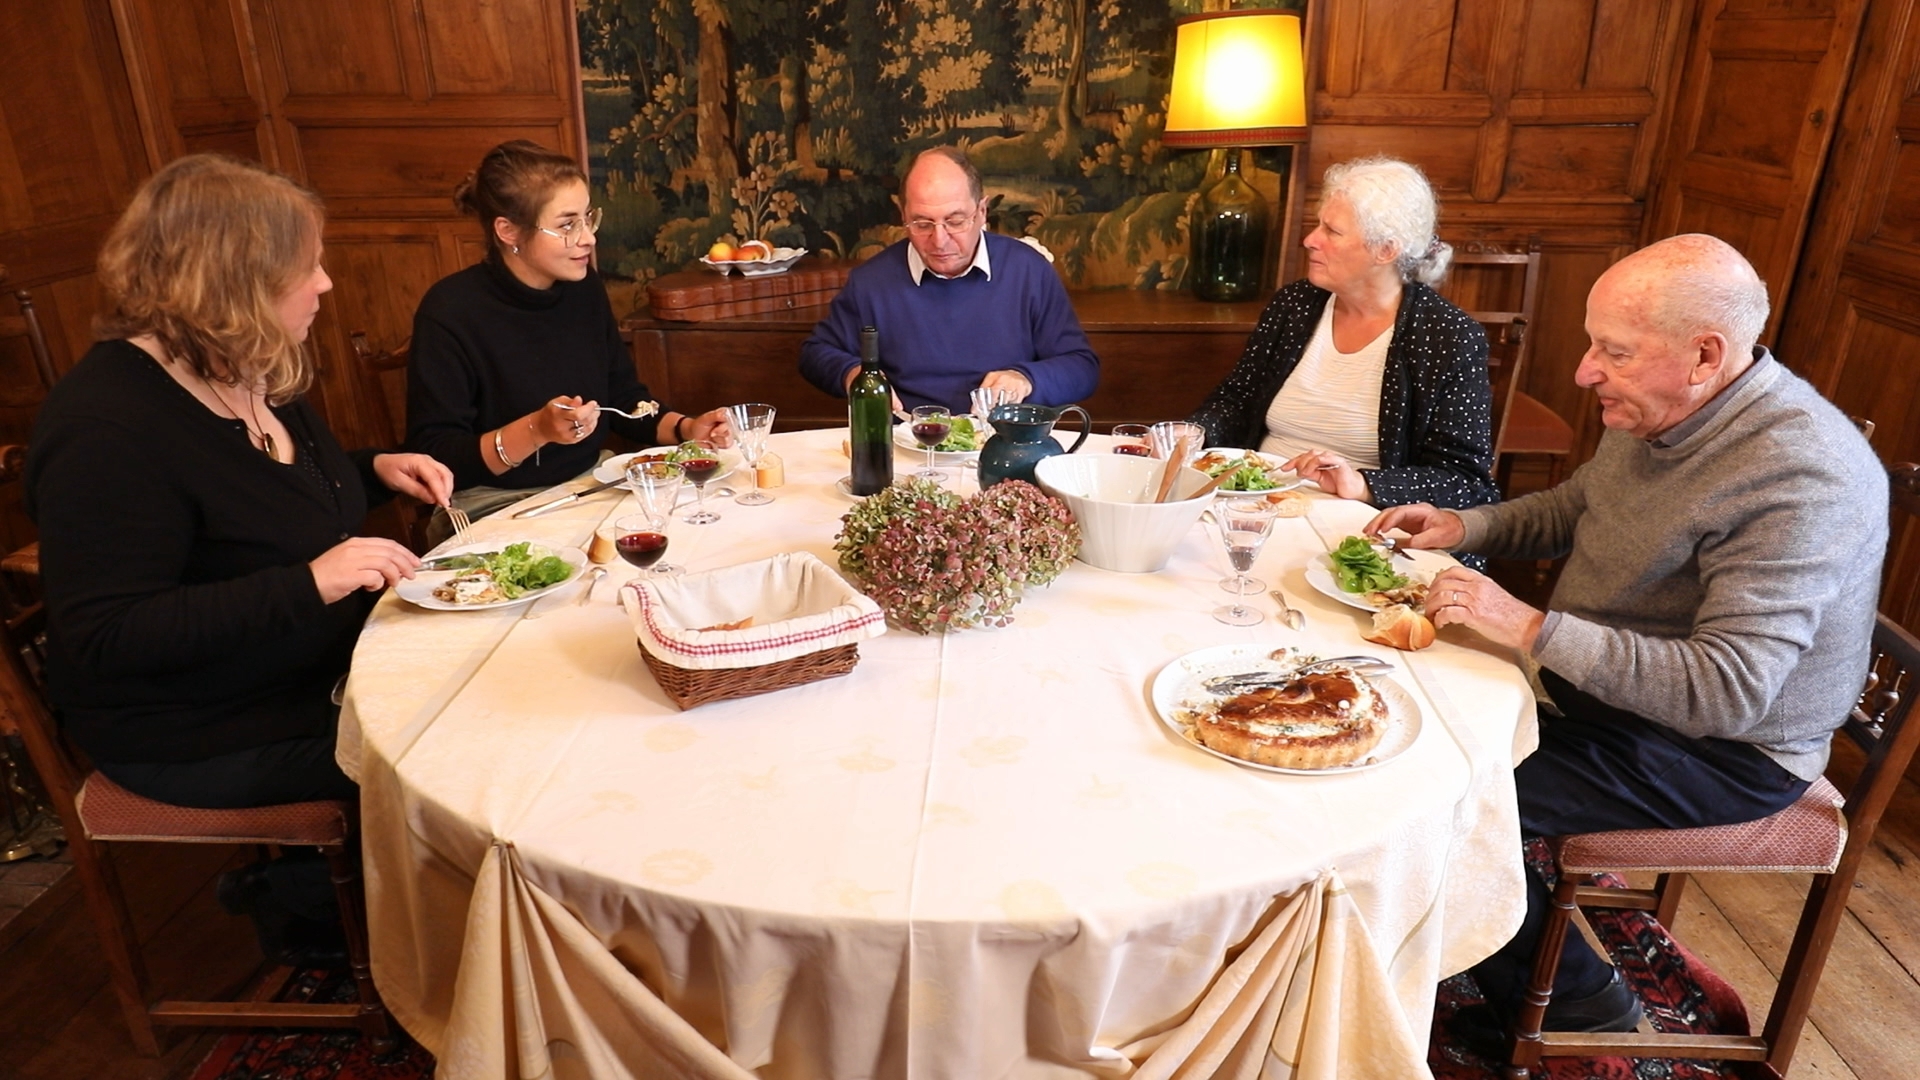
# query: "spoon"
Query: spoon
641,412
1288,613
592,580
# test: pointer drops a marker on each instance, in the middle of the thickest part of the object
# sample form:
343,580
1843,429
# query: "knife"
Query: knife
464,561
568,500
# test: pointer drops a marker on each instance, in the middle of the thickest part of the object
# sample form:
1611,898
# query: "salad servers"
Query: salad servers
1244,682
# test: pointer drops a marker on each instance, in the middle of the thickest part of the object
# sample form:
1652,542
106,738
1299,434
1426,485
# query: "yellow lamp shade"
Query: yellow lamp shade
1238,80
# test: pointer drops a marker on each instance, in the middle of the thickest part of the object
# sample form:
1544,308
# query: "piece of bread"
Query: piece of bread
1401,627
1289,504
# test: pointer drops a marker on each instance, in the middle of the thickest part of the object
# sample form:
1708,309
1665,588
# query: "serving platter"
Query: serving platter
779,262
1177,690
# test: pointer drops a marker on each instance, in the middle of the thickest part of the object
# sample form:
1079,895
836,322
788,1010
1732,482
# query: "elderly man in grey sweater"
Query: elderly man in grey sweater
1712,624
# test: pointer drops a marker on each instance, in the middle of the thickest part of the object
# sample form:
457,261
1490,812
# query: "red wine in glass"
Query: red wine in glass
1135,449
700,470
931,432
642,548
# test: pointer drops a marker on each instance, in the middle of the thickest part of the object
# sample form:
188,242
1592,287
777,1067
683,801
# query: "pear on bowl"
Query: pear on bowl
1111,495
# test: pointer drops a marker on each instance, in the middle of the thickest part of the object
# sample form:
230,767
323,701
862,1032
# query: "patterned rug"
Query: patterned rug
1679,992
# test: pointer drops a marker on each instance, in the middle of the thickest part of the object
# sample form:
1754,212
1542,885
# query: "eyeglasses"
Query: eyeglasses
585,225
953,223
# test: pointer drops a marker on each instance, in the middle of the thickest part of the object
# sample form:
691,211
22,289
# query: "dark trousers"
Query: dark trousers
1600,768
297,770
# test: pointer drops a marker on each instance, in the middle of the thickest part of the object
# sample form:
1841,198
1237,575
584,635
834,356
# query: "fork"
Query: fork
462,524
641,411
1391,545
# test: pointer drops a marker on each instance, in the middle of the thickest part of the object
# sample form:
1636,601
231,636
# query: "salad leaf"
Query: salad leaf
1360,569
522,567
961,438
1248,477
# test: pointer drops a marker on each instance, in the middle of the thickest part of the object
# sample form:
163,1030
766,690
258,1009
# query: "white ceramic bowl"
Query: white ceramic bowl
1119,529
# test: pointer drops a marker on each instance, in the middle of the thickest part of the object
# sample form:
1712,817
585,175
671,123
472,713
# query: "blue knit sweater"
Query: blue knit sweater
940,337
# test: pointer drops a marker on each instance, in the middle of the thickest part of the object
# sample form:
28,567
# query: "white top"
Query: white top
870,875
1331,401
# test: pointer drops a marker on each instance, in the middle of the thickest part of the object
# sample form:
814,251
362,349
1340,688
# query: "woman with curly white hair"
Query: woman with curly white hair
1367,381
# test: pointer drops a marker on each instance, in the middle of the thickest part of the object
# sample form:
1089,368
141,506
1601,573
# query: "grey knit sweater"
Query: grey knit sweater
1723,586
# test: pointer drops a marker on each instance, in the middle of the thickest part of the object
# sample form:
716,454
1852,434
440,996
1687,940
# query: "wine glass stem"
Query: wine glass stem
699,497
929,459
753,476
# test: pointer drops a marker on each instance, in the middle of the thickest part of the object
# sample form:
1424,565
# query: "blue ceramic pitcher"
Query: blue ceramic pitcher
1022,435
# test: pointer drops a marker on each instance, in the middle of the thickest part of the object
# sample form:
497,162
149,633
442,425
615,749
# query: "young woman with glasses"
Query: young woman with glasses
513,357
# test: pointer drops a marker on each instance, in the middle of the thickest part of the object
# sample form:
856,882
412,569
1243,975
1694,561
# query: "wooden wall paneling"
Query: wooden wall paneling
196,87
1751,127
382,106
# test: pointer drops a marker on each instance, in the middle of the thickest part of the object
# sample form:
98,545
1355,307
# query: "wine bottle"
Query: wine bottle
870,419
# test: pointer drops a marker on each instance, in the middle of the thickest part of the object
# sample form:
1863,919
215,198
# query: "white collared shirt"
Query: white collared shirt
917,266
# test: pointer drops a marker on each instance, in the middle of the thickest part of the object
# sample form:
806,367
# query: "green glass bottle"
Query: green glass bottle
870,419
1229,238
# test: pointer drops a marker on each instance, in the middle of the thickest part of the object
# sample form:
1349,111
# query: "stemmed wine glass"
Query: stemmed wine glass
1177,437
931,425
699,470
641,539
1244,527
657,485
751,425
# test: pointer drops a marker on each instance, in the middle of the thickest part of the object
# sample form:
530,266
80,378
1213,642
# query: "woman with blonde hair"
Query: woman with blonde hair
1361,376
203,580
513,356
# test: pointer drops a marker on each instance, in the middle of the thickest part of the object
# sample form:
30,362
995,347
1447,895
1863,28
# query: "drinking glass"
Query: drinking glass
1132,439
657,484
751,425
1177,436
641,540
931,425
1244,527
700,470
985,400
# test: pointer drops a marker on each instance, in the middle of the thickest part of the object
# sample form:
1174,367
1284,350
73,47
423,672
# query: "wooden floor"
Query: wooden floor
58,1018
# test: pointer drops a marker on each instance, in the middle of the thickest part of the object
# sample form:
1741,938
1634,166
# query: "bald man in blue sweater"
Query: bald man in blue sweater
956,307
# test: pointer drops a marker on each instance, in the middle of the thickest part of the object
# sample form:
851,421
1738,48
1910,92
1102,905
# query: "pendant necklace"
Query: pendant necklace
256,430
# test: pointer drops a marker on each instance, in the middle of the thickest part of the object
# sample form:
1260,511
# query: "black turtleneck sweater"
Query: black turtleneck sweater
487,350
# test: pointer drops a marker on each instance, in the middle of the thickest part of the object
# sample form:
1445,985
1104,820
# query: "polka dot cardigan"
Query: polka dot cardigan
1436,403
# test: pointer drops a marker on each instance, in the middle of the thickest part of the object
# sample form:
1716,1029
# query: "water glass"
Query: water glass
1244,526
1171,437
751,425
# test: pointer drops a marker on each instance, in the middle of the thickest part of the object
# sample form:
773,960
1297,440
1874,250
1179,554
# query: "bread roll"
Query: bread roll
1401,627
1289,504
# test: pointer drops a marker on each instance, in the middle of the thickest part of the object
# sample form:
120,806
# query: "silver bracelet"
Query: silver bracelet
500,450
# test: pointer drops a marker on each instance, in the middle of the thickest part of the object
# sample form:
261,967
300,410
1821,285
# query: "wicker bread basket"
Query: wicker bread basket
807,623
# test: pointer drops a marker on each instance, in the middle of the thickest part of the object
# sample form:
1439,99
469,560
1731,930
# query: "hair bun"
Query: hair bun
463,193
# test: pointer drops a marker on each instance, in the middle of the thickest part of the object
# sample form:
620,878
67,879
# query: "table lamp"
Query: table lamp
1238,81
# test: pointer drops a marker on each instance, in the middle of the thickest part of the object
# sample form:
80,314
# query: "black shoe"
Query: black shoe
1488,1032
285,937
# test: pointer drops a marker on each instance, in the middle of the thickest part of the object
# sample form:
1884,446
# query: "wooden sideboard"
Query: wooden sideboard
1160,354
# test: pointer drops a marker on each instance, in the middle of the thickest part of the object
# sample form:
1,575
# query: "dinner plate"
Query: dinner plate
903,438
781,261
614,469
1426,565
1177,689
1270,461
418,590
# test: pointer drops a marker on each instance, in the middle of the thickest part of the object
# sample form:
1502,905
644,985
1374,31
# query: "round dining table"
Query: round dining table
980,854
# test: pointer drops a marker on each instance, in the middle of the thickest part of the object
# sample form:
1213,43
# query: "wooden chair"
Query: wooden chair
96,811
1504,309
1822,833
371,367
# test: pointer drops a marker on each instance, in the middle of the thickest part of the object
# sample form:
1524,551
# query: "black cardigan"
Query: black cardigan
1436,430
488,349
183,621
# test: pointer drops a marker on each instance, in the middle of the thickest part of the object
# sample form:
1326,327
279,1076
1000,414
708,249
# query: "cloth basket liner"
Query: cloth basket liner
799,605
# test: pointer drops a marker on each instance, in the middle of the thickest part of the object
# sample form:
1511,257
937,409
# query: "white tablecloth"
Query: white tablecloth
978,855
